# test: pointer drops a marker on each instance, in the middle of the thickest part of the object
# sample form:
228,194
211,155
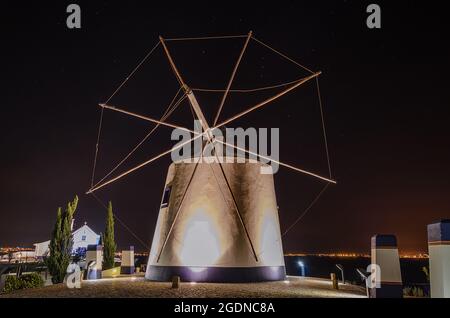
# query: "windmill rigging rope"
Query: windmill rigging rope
145,58
167,114
248,90
282,55
121,222
306,210
169,110
96,146
207,38
134,71
323,127
233,74
107,101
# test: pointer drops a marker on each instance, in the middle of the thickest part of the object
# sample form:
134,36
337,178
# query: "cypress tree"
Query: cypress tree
54,251
60,247
109,245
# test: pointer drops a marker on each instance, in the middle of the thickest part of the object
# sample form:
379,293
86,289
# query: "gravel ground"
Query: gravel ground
138,287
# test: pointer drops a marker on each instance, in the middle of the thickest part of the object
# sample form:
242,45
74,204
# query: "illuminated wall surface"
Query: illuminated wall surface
439,251
207,241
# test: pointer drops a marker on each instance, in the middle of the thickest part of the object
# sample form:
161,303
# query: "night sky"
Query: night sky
385,95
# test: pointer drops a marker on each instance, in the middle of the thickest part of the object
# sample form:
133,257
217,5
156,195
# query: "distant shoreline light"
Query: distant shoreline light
356,255
338,255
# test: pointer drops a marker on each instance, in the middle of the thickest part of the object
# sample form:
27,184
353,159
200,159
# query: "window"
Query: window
83,238
166,197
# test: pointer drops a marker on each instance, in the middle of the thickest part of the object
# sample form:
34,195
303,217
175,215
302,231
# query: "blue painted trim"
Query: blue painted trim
387,291
94,247
439,231
383,240
216,274
127,270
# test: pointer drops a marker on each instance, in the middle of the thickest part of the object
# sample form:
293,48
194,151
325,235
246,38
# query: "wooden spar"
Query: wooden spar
271,99
196,107
278,162
172,64
190,95
222,102
142,164
146,118
209,136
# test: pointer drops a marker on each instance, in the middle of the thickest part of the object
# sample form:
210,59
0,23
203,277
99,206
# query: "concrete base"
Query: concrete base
217,274
2,282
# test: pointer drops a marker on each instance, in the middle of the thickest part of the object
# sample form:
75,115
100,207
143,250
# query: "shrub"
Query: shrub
414,292
426,272
32,280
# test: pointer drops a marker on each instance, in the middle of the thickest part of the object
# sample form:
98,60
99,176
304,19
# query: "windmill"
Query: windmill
218,222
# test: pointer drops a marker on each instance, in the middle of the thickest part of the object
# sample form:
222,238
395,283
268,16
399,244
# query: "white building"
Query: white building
82,237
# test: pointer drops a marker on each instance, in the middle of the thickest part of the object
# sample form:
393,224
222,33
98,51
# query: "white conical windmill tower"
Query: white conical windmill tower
218,221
